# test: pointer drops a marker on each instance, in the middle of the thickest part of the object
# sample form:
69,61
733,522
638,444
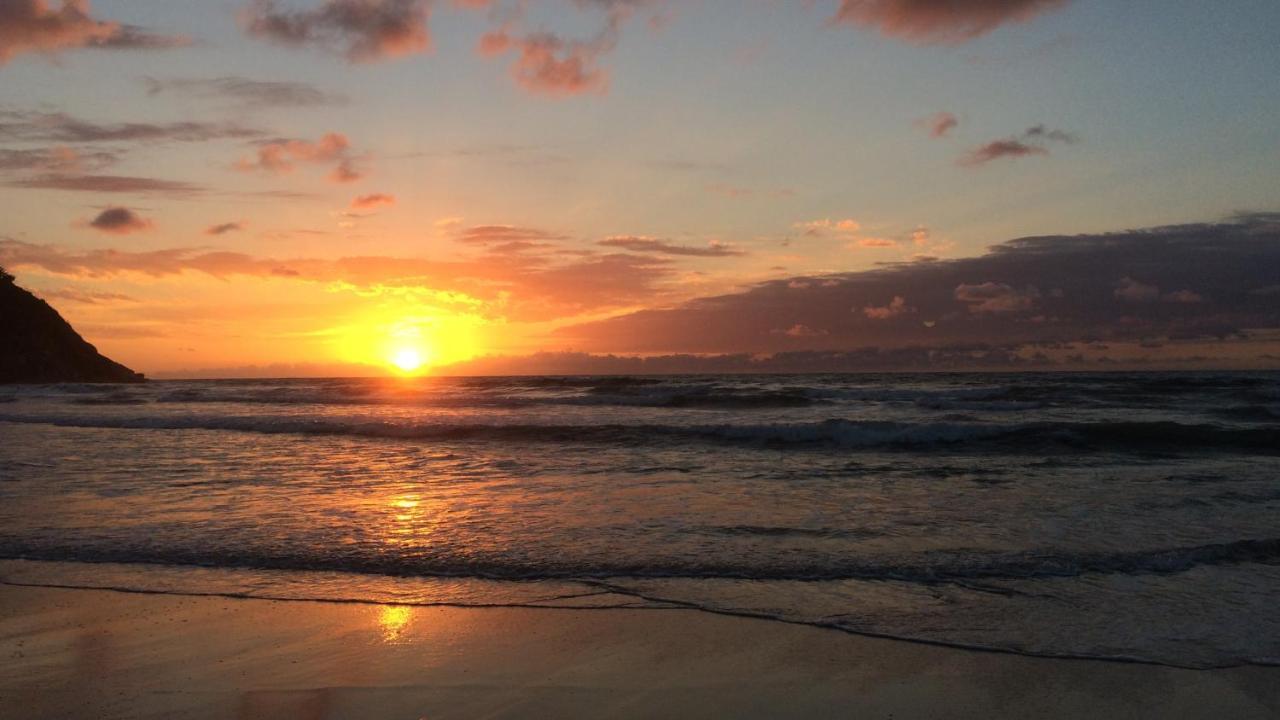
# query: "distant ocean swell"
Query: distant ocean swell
940,568
837,433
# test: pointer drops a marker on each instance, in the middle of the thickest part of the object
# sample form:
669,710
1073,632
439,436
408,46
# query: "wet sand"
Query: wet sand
102,654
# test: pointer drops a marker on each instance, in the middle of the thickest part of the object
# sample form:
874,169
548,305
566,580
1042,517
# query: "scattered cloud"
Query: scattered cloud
818,228
801,331
1031,142
36,26
245,92
224,228
1131,290
360,30
662,247
876,242
119,221
62,128
993,297
279,157
929,22
896,307
939,125
368,202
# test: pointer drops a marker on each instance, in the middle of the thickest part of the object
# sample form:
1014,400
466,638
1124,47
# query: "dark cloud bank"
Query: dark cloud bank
1052,300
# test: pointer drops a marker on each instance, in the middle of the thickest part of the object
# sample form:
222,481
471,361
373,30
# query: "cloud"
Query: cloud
502,286
119,221
877,242
545,64
929,22
1038,289
662,247
997,149
896,307
1182,296
549,65
1131,290
1029,143
224,228
939,125
108,184
801,331
85,298
992,297
63,128
59,159
817,228
37,26
366,202
279,157
360,30
487,234
246,92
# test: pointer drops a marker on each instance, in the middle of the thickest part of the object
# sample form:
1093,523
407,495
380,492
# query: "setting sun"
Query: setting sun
407,359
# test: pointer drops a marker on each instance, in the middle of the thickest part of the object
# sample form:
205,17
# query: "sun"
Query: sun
407,359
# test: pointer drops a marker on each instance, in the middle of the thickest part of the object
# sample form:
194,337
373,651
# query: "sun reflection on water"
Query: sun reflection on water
393,620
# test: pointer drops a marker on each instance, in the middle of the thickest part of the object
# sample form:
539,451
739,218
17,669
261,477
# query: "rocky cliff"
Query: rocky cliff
38,346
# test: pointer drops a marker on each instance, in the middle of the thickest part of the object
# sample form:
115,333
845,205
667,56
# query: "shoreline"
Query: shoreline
108,654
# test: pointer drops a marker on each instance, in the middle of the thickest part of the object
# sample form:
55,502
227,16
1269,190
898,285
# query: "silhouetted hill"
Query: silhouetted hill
38,346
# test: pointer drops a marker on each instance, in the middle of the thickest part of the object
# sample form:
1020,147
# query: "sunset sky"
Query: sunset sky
201,187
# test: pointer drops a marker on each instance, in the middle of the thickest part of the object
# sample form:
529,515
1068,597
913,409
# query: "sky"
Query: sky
239,187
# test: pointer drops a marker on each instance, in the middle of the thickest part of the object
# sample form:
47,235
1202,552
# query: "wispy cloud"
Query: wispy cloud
662,247
63,128
246,92
373,200
108,184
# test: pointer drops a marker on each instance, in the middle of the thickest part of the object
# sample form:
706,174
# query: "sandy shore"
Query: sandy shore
101,654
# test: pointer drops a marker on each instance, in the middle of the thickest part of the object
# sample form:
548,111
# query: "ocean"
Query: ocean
1131,516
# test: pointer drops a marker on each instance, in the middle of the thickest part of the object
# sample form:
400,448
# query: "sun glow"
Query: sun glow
407,341
407,360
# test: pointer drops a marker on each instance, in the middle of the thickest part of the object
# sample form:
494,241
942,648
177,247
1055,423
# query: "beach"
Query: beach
70,653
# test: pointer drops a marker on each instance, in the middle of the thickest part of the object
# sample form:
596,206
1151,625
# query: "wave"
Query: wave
833,433
926,569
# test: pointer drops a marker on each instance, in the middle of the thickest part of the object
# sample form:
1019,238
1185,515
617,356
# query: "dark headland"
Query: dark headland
38,346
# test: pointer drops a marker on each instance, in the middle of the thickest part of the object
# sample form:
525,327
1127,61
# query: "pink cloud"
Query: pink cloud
929,22
33,26
360,30
939,125
282,156
366,202
548,65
